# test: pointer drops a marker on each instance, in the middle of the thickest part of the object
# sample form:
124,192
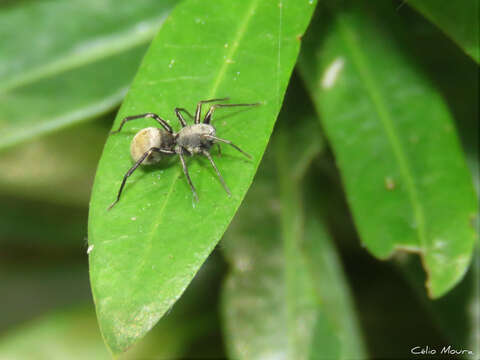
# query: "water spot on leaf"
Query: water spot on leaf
332,72
90,248
439,243
389,183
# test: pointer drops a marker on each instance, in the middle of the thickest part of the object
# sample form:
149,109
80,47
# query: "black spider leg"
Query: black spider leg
185,171
207,154
209,115
180,116
162,122
135,166
214,138
198,112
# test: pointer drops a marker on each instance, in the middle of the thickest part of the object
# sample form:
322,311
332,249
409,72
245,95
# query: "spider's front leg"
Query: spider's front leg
228,142
180,153
198,112
178,112
207,154
208,117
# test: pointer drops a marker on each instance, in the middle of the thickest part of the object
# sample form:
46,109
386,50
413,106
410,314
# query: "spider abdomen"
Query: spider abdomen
147,138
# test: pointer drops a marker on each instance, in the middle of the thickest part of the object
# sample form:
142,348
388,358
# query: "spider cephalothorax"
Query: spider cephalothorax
150,144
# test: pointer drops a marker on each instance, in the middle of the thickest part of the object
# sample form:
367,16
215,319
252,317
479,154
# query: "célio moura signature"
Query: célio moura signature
445,350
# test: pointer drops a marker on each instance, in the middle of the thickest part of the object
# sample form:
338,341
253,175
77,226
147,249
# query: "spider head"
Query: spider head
194,138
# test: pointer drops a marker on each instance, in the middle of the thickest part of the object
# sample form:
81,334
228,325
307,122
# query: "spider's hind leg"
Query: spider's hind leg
185,171
134,167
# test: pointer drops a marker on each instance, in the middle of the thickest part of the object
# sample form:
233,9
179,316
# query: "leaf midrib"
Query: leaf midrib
389,128
239,34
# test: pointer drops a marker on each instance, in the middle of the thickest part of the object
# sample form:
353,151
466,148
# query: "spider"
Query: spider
151,144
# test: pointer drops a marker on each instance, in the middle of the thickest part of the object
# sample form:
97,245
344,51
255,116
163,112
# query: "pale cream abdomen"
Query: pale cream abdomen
144,140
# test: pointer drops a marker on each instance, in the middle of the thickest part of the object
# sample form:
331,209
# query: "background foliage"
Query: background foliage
369,155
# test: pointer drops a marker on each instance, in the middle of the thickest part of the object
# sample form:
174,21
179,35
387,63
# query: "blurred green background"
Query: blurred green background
64,69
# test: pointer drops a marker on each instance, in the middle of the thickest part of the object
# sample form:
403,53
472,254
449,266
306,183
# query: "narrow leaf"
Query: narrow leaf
395,144
76,63
150,245
458,19
285,296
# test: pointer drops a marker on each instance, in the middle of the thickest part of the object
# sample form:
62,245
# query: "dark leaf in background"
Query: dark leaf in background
286,296
458,19
395,144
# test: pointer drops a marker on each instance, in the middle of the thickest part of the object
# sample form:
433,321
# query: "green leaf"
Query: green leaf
458,19
76,64
150,245
395,144
285,296
332,288
62,335
64,161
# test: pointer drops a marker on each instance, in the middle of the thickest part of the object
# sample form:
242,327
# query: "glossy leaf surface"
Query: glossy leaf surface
458,19
76,64
395,144
150,245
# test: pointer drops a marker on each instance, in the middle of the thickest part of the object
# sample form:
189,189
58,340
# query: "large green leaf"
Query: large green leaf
62,62
458,19
402,166
148,248
286,296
